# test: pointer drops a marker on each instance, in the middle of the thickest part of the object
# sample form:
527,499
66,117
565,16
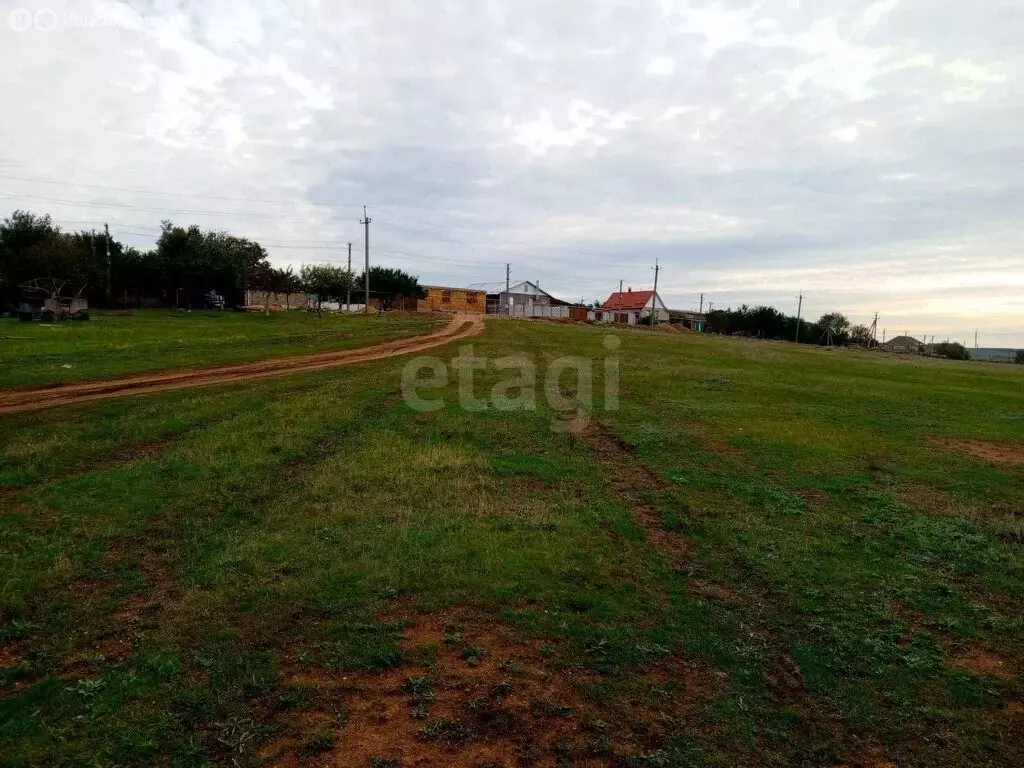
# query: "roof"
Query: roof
626,300
530,288
902,341
453,288
689,314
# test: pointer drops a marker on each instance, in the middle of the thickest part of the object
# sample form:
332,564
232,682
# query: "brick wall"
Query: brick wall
442,299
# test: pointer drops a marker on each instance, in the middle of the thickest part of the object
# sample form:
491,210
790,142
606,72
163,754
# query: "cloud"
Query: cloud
864,153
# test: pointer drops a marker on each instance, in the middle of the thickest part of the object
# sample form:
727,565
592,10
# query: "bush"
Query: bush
951,351
1019,359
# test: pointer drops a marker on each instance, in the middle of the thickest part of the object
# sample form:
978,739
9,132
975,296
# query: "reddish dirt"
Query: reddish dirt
813,496
982,662
713,590
10,656
632,479
988,450
513,704
23,400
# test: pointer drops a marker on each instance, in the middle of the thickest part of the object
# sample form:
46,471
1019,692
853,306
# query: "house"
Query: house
441,298
631,307
526,299
695,321
902,345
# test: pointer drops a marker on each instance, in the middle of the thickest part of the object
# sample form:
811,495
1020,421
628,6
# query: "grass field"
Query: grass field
767,555
111,345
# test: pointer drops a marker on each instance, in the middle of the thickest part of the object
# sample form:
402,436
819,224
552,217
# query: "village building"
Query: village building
907,345
441,298
630,307
695,321
527,299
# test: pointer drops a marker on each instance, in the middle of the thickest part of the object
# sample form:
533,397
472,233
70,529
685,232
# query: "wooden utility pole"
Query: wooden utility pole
366,274
348,296
106,229
799,309
654,298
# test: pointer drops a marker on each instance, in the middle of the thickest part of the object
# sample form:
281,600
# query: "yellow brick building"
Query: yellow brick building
444,299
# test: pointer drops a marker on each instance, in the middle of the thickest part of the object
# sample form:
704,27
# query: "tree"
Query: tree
951,351
389,285
1019,359
835,328
324,282
197,261
262,279
286,282
861,334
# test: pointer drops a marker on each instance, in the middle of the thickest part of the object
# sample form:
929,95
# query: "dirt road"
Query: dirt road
23,400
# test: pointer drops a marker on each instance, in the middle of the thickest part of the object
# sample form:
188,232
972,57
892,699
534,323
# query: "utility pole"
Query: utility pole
701,304
799,309
366,274
508,289
975,341
874,331
348,296
107,230
654,298
884,331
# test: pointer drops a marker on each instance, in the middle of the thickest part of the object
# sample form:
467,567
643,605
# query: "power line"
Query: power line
175,194
149,209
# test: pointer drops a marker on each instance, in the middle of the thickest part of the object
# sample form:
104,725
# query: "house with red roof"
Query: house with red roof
631,306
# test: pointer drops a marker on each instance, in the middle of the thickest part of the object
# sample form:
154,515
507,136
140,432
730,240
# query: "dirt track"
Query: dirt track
23,400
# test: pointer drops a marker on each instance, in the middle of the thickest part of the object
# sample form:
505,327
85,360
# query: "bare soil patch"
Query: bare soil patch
477,693
982,662
633,481
23,400
988,450
813,496
713,590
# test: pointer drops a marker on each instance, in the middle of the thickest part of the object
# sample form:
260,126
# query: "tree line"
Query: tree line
831,328
185,264
769,323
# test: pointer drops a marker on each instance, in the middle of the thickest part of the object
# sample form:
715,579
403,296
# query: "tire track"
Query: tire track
25,400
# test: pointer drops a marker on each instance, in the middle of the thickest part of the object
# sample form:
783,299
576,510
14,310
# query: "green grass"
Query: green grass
112,345
276,520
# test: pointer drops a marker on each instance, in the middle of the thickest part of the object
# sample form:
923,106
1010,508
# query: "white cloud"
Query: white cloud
743,143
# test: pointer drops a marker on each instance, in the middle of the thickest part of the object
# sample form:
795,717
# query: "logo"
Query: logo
20,20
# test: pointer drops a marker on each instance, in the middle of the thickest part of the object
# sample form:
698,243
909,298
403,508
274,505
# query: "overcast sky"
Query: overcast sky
869,154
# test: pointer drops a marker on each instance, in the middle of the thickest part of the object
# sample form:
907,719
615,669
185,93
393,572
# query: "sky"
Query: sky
868,155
